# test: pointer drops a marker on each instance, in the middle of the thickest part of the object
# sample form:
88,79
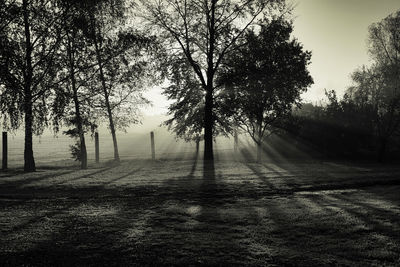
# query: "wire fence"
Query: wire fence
49,148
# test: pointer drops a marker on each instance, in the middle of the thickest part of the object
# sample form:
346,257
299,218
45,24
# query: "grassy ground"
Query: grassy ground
181,212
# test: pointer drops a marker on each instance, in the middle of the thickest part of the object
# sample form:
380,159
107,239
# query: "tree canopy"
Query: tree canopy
265,77
205,32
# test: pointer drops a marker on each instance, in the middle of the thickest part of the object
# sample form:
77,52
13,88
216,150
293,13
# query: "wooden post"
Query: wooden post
153,151
4,165
96,145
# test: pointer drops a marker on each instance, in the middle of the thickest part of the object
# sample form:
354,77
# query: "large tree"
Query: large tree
29,44
187,110
265,78
205,32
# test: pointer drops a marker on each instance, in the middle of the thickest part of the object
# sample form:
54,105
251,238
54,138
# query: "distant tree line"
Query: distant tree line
366,121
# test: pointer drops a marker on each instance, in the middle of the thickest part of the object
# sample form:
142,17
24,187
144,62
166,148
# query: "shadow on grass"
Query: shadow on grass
87,175
383,222
194,165
10,172
187,227
122,176
36,178
197,222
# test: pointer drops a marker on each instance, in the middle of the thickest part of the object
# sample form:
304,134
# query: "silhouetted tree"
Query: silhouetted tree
378,86
74,94
205,32
265,77
29,43
9,112
122,68
384,40
187,111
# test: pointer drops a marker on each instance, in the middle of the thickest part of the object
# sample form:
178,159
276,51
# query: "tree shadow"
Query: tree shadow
87,175
10,172
28,180
262,177
379,222
187,227
122,177
194,166
192,222
76,240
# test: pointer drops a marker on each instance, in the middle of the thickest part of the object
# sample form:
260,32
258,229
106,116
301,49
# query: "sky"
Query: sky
336,33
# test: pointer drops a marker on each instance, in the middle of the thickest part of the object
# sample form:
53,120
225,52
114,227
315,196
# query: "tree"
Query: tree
205,32
265,78
374,89
27,68
8,12
378,85
187,111
384,40
122,67
73,95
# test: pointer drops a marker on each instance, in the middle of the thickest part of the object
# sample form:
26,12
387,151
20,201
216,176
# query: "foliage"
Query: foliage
265,78
28,69
120,63
204,32
42,21
378,86
67,58
366,122
76,149
187,111
340,128
127,73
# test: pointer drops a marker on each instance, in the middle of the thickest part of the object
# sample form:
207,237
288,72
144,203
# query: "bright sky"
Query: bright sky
335,31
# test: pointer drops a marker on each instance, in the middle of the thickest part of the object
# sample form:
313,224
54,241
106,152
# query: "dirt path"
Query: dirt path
179,212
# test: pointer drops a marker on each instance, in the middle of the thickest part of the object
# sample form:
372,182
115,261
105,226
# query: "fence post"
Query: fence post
153,152
96,146
4,165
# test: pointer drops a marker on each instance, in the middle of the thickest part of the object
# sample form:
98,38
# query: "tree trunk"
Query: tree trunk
259,151
197,146
107,102
29,161
79,125
259,144
208,127
208,108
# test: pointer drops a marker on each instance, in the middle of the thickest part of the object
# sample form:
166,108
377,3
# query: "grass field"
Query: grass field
178,211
